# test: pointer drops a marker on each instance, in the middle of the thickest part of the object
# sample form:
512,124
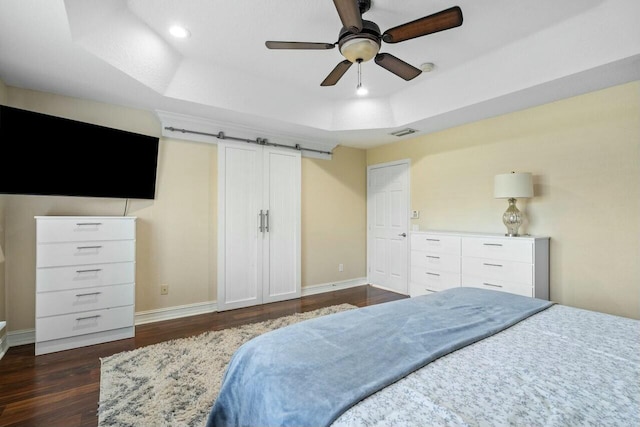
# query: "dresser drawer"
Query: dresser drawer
504,249
416,290
518,272
86,276
435,261
434,281
83,253
68,325
52,230
78,300
498,285
435,243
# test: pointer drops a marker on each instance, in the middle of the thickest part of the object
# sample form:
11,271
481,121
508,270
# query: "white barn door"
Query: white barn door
258,225
282,278
388,225
240,250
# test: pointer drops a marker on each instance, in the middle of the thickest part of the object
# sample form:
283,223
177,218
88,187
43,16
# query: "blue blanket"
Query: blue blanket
309,373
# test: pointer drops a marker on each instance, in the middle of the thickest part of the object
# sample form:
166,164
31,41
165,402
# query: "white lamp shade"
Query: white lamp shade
513,185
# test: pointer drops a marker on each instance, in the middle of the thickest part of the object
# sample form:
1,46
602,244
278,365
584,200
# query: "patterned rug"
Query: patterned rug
175,383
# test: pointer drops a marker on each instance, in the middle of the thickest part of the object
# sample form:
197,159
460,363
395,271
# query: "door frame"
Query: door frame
407,164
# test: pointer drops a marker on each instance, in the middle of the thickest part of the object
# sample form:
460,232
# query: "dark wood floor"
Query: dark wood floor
62,389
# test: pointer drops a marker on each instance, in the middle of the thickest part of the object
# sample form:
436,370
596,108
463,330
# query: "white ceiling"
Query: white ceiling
507,55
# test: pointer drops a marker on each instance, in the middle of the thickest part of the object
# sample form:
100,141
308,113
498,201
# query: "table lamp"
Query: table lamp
513,186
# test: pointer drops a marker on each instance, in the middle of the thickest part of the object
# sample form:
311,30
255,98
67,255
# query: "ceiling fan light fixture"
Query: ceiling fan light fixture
362,48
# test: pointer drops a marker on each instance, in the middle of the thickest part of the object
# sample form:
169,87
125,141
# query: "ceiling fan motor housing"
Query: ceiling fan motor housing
362,46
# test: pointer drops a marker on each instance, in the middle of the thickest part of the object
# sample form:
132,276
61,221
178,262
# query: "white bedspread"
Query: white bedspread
561,367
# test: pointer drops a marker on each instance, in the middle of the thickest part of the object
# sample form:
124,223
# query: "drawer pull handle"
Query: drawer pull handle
87,318
88,294
492,244
80,224
430,290
431,256
492,265
93,270
89,247
433,240
433,274
491,284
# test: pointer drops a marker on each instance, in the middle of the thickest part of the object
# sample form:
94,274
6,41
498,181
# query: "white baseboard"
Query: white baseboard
333,286
384,288
21,337
169,313
28,336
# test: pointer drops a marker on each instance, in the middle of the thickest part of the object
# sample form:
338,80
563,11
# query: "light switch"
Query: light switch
415,214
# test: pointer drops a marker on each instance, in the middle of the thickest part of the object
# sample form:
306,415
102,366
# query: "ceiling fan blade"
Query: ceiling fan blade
397,66
336,73
444,20
350,16
298,45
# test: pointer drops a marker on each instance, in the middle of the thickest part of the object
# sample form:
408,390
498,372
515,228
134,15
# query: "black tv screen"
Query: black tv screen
48,155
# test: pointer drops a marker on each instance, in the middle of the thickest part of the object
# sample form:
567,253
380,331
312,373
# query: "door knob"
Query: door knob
403,234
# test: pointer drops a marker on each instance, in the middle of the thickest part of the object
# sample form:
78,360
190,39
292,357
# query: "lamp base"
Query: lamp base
512,219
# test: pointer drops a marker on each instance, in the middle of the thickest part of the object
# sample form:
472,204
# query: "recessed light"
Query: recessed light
179,32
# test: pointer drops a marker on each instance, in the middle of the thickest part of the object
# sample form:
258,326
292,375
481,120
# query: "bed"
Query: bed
462,357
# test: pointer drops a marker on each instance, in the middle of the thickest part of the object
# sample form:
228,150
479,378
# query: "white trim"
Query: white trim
333,286
170,313
4,346
21,337
384,288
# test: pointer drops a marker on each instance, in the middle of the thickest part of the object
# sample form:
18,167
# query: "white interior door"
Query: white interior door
239,237
388,225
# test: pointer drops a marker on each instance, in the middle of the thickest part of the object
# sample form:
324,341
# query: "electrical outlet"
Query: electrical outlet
415,214
164,289
340,267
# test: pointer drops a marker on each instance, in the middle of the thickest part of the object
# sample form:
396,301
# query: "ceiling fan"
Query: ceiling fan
360,40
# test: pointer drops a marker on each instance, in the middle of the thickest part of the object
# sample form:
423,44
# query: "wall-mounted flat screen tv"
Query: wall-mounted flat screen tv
48,155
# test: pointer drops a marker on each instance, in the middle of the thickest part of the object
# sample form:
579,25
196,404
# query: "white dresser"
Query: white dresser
85,281
442,260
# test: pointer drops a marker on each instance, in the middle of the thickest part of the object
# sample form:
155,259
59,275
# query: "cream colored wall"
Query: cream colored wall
584,153
176,240
334,217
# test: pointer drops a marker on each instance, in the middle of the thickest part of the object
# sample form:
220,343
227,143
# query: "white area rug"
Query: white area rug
175,383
